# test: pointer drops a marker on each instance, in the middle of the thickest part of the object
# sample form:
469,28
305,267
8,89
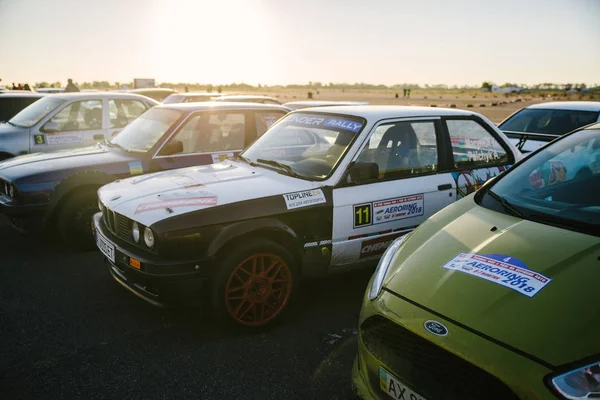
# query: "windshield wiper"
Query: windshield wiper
506,205
244,159
279,165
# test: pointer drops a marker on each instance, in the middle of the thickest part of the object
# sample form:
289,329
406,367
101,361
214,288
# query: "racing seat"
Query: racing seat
208,137
398,150
93,118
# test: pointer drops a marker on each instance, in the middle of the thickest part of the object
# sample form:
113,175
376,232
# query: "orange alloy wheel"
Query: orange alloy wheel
258,289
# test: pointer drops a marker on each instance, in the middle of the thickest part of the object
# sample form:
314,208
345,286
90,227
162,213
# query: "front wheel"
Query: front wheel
74,220
254,284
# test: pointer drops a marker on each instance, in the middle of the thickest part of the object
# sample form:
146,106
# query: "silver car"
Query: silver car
69,120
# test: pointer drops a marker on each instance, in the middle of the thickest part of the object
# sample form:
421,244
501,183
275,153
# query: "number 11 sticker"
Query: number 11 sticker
363,215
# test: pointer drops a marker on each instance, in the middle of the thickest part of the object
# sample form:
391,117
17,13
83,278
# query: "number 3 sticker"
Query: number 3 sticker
362,215
39,139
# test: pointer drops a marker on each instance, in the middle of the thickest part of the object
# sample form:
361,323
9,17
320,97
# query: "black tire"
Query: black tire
263,299
74,220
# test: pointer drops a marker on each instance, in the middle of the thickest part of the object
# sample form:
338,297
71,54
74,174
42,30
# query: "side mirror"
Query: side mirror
363,171
51,127
173,147
99,138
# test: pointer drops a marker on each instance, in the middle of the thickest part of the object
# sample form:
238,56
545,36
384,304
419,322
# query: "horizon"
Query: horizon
279,44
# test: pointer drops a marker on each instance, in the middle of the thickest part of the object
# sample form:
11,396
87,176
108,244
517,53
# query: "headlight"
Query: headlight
581,383
135,231
383,266
148,237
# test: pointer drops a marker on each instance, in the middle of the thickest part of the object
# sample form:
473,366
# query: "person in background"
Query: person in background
14,87
71,87
27,87
19,87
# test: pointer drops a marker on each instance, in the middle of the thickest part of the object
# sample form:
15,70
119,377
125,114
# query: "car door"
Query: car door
77,124
477,153
204,138
406,188
121,112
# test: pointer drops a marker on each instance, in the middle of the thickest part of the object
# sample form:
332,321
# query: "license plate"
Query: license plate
105,247
395,388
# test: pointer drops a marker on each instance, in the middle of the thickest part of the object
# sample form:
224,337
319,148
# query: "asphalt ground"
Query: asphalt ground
67,330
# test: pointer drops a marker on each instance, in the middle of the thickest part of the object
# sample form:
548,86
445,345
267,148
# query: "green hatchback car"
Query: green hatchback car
495,296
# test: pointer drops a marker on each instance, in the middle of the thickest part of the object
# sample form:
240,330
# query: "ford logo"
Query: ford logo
435,328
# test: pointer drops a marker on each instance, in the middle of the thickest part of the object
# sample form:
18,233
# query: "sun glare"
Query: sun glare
212,42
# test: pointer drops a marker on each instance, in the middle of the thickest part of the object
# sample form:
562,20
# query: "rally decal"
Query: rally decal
175,203
398,208
312,120
64,138
39,139
304,199
135,168
501,270
218,157
376,247
469,181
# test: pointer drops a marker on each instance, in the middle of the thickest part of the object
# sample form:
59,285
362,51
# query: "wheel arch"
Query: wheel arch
4,155
88,180
270,228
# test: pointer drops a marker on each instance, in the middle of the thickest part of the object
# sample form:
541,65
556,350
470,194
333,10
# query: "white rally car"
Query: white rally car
323,190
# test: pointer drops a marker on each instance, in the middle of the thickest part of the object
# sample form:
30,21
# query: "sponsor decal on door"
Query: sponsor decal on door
398,208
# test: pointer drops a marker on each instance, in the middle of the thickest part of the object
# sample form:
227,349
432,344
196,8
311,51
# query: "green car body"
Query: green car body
443,329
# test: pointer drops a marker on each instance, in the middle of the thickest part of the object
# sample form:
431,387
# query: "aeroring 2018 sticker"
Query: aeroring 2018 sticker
64,138
218,157
500,269
170,204
398,208
304,198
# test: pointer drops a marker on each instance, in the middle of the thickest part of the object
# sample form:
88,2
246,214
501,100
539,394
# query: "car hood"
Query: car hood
151,198
564,311
36,163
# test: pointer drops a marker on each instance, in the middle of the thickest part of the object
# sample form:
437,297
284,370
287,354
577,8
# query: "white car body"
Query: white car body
296,105
155,198
46,134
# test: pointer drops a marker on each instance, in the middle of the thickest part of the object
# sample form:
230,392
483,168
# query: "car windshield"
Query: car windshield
34,113
305,145
558,186
555,122
174,98
146,130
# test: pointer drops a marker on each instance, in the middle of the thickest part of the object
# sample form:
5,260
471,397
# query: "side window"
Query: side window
122,112
403,149
80,116
264,120
207,133
473,146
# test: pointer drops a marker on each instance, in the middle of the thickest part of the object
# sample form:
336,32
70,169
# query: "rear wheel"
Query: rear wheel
74,220
254,284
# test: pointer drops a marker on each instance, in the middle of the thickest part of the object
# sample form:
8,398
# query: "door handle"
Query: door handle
445,186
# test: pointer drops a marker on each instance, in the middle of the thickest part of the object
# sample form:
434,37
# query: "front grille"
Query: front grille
430,370
120,226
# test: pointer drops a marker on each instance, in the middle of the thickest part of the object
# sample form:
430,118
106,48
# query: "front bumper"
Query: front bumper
159,282
24,217
459,365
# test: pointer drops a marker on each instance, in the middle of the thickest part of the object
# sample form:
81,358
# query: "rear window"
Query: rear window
554,122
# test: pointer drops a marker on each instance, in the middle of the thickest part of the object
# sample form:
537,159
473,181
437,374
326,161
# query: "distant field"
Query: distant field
481,102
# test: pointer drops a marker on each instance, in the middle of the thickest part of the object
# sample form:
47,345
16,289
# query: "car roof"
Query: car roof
320,103
95,95
568,105
143,90
22,94
241,96
376,112
203,94
222,105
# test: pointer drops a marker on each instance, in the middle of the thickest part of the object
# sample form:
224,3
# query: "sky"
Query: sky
272,42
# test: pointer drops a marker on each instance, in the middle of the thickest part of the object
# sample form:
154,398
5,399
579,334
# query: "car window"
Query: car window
264,120
174,98
473,146
122,112
557,122
211,132
146,130
558,185
80,116
307,145
35,112
402,149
